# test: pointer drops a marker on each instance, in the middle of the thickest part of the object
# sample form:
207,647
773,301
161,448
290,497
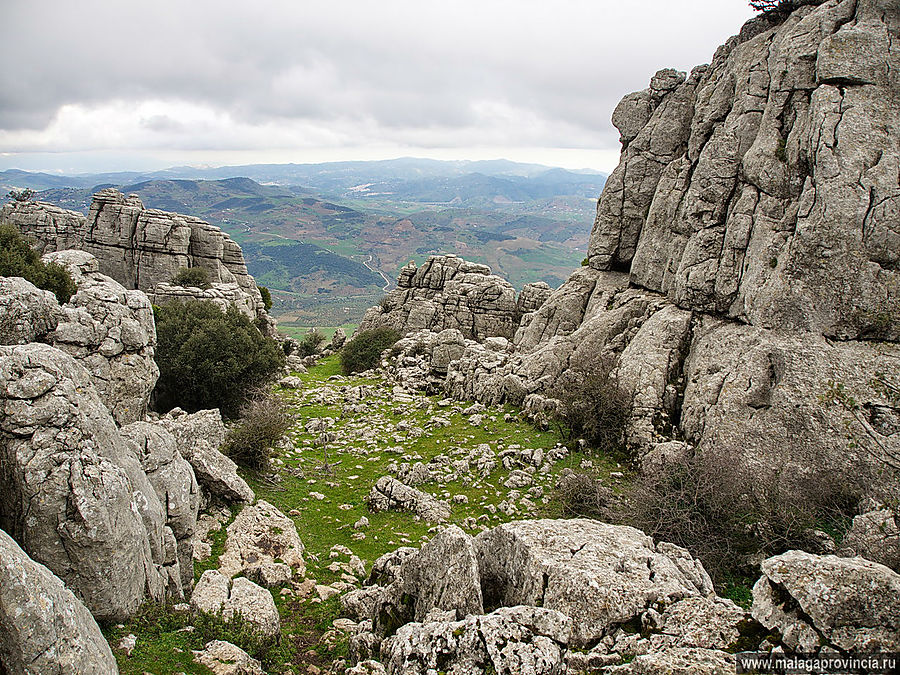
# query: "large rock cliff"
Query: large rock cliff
144,248
744,259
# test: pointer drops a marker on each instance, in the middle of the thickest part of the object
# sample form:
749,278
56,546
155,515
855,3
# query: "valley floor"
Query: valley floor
370,429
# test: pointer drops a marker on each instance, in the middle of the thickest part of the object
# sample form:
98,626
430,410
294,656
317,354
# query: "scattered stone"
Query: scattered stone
224,658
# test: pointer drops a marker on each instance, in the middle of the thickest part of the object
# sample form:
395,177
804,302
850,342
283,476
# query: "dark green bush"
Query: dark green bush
209,358
264,421
362,352
198,277
311,343
266,297
19,259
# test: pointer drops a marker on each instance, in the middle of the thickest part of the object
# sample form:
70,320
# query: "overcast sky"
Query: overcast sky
127,84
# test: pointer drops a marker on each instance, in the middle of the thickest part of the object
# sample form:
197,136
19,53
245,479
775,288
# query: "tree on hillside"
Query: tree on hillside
208,358
19,259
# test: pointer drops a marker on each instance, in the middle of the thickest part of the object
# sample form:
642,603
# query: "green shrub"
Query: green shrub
311,343
266,297
264,421
19,259
197,277
363,351
208,358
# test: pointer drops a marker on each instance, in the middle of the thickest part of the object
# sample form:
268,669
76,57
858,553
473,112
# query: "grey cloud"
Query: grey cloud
398,65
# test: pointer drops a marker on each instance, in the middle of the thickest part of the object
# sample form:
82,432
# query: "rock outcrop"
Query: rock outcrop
218,595
814,602
572,596
72,490
743,262
603,575
44,628
111,331
198,437
447,292
106,328
144,248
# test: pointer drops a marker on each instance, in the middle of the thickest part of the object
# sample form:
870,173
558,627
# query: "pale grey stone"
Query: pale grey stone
44,628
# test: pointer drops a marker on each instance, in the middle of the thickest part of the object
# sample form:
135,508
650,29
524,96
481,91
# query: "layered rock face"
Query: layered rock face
449,292
764,186
744,257
143,248
109,330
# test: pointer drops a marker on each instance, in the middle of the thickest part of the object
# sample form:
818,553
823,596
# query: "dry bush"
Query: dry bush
264,421
714,506
581,495
591,404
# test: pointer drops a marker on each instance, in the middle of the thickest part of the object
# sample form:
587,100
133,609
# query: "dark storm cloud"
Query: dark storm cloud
404,72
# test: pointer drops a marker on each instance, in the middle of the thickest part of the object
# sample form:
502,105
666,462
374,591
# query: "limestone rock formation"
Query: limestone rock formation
604,575
743,259
260,535
44,628
143,248
529,640
111,331
850,604
27,313
108,329
389,494
198,437
409,585
875,536
224,658
72,491
764,185
176,486
216,594
447,292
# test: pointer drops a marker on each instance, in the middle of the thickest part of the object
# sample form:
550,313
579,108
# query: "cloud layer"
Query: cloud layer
345,76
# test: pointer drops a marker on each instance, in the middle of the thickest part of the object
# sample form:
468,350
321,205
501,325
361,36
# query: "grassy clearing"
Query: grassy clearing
323,489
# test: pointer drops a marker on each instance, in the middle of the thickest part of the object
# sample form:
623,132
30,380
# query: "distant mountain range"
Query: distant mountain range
327,238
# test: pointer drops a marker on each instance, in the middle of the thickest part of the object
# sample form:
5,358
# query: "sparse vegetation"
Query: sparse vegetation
19,259
264,421
591,404
209,358
196,277
362,352
311,343
24,195
712,505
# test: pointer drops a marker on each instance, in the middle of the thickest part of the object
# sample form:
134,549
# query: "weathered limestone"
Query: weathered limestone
447,292
111,331
176,486
72,491
27,313
198,437
815,601
218,595
44,628
259,535
510,640
224,658
764,186
143,248
389,494
605,575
